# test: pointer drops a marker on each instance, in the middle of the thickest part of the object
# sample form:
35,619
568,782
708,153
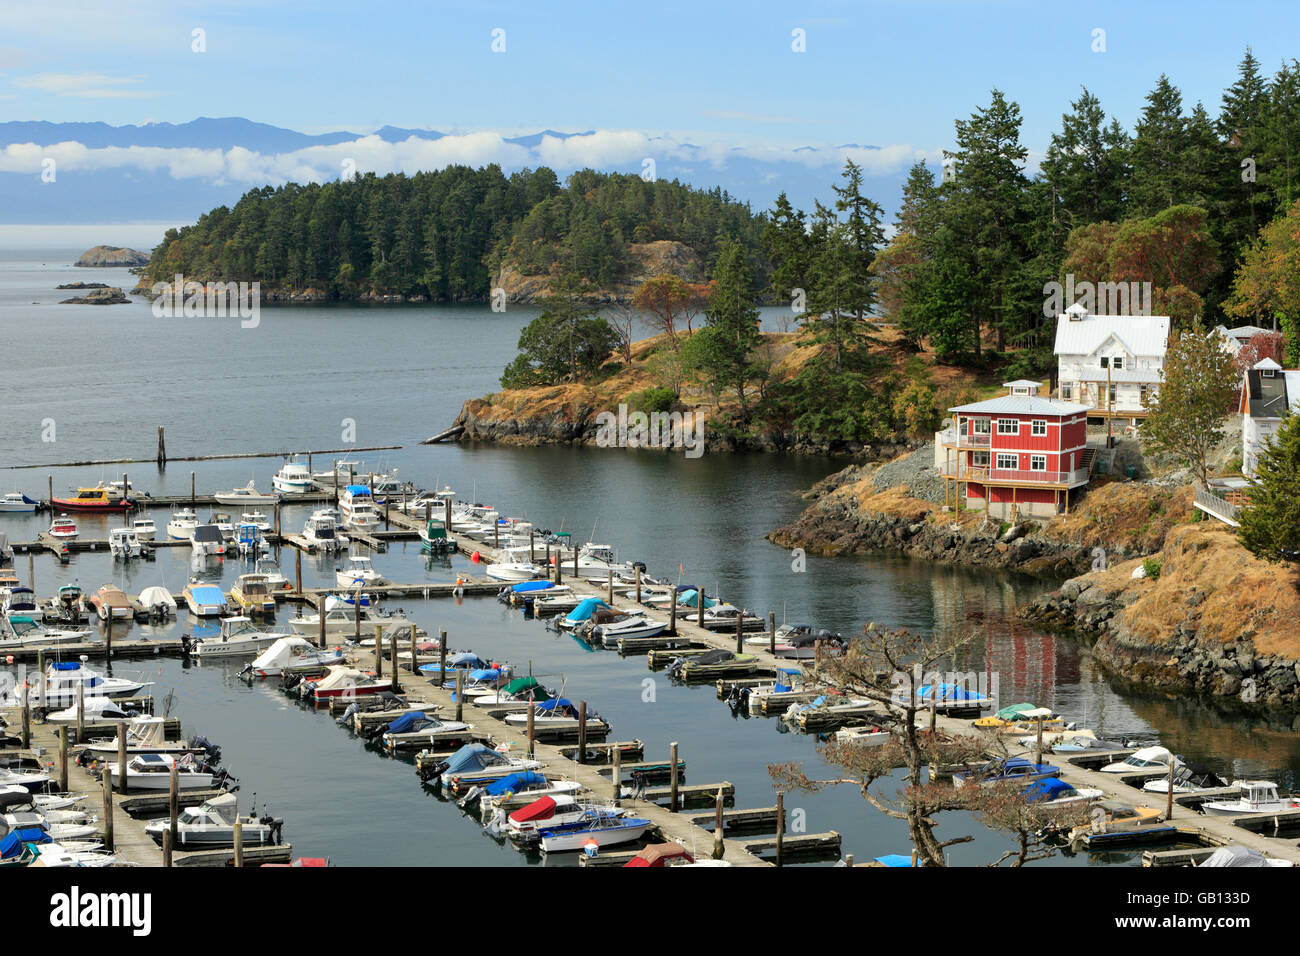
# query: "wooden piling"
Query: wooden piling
611,587
392,655
575,559
638,586
168,841
40,666
582,731
239,842
618,775
81,711
63,758
108,640
771,633
121,758
27,720
532,706
415,662
193,496
672,615
719,849
672,776
780,826
460,694
106,785
379,643
442,658
740,632
356,607
162,448
173,802
699,604
297,571
320,622
31,572
1038,750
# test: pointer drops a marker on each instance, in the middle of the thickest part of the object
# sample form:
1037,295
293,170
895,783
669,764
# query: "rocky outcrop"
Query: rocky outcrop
1216,620
107,295
116,257
663,257
83,285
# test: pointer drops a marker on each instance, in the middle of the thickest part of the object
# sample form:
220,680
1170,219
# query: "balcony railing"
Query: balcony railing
964,440
1013,475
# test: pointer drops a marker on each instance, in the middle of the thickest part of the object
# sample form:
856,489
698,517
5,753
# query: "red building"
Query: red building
1018,454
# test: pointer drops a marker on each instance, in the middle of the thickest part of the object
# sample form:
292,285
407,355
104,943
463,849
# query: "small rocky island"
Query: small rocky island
99,295
83,285
116,257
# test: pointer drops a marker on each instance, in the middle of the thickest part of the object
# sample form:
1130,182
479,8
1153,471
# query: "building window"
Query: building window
1039,427
1038,463
1118,362
980,459
1008,462
980,426
1008,426
1067,392
1104,361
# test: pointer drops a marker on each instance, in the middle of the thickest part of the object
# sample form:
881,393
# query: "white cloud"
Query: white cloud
82,85
601,149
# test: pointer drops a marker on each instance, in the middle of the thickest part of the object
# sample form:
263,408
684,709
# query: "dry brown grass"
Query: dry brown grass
1115,513
1242,596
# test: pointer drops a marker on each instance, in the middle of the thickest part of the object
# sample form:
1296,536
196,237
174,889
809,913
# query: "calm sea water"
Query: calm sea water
99,381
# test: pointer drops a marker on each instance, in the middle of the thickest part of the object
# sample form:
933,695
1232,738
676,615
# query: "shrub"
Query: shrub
1151,568
653,400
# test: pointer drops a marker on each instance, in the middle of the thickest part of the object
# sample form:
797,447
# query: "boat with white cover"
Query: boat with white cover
293,654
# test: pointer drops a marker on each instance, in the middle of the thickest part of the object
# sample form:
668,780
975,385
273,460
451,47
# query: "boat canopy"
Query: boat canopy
585,609
12,845
484,673
691,597
945,692
356,490
657,854
405,723
1051,788
472,757
717,656
521,684
542,809
65,665
1233,855
559,703
515,782
525,586
895,859
208,594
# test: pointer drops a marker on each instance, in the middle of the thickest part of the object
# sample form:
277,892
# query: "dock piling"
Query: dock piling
27,720
107,788
414,660
320,615
162,448
297,571
121,758
582,731
611,587
442,658
672,776
617,775
740,632
173,802
780,826
81,712
532,740
532,545
392,655
193,496
239,842
699,604
672,615
718,849
168,841
460,694
63,758
379,641
771,633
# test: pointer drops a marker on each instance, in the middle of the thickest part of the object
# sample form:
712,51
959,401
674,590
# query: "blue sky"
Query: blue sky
891,74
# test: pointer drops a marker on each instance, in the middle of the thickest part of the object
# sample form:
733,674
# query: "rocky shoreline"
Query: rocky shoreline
1215,621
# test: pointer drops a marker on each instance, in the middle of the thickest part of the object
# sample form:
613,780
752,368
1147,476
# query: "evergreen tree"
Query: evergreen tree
1270,525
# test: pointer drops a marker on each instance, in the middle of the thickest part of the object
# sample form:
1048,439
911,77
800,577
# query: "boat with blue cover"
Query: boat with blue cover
594,829
559,713
1015,769
417,729
470,766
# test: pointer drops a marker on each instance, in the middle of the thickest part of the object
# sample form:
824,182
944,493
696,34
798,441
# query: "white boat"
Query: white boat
124,543
559,713
157,598
600,558
274,579
63,678
359,571
636,625
93,709
293,654
253,594
341,620
145,529
322,530
514,566
238,637
357,508
224,525
722,617
153,772
20,601
871,736
63,527
257,518
204,600
57,831
18,630
182,524
17,503
422,729
1148,758
212,824
249,540
594,829
1257,796
207,540
247,495
148,735
436,501
293,478
524,825
30,780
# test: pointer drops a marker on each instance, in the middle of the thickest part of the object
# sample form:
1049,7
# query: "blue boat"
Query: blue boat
1001,771
598,827
463,661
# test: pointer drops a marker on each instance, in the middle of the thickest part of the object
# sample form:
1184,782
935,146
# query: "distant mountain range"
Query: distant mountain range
170,172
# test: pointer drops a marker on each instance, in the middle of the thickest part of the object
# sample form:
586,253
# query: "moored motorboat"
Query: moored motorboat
359,571
558,713
238,637
594,829
247,495
110,601
144,528
1257,796
204,600
63,527
152,771
212,824
182,523
148,735
524,826
15,502
253,594
63,678
97,499
123,543
292,478
293,654
472,765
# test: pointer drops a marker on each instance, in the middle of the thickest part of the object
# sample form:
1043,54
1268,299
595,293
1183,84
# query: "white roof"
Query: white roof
1021,405
1140,334
1021,383
1267,362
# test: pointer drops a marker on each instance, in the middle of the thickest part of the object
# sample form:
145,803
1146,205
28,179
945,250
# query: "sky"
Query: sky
771,78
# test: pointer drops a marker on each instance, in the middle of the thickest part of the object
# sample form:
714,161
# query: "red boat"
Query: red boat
92,499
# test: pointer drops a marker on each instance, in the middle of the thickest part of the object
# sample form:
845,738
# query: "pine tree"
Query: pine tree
1158,151
1270,524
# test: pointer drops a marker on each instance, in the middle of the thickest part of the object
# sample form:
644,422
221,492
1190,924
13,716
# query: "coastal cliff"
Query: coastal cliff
1213,618
114,257
863,509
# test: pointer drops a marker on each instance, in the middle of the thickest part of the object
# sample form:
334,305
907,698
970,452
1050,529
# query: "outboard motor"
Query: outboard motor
211,752
433,772
187,644
347,714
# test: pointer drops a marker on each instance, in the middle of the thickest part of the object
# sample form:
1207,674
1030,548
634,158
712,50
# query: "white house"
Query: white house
1268,391
1234,340
1125,353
